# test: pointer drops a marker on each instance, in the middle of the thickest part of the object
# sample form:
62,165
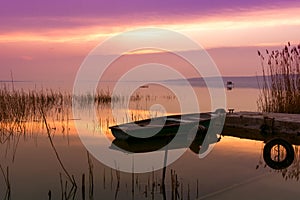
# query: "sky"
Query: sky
48,40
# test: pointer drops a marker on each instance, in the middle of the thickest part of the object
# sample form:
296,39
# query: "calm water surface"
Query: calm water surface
36,166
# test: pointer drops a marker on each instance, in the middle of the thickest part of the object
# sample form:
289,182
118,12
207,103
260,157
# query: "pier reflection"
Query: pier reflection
280,151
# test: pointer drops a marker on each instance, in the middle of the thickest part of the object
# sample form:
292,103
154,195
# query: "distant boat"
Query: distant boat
166,126
144,86
229,85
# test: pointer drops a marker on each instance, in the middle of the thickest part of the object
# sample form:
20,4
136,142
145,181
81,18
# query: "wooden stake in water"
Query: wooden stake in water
49,194
132,177
197,193
104,179
164,173
91,177
188,197
12,80
83,187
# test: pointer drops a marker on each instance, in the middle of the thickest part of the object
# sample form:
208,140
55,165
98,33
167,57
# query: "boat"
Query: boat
229,85
166,126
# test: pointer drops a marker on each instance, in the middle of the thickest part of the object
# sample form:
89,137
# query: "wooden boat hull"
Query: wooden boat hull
167,126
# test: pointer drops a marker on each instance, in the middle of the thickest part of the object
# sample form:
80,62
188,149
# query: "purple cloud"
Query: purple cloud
35,8
18,14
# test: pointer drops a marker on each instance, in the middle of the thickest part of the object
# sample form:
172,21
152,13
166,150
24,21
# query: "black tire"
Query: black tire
286,162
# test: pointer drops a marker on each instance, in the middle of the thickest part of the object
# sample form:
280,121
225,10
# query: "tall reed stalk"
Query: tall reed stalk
7,182
280,89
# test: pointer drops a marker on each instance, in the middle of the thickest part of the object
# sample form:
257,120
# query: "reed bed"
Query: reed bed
20,105
19,108
280,90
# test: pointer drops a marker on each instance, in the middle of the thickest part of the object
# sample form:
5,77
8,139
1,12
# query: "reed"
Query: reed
7,182
118,177
280,89
293,172
175,185
67,193
91,176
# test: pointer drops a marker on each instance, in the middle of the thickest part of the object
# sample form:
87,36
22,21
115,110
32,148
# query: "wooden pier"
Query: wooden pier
262,126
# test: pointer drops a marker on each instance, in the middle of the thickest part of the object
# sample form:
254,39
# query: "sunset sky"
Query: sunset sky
48,40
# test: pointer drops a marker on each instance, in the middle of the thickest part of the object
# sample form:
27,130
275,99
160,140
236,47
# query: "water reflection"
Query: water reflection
135,145
30,168
280,151
177,181
144,146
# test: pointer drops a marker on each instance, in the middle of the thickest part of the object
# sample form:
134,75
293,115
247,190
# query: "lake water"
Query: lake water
40,165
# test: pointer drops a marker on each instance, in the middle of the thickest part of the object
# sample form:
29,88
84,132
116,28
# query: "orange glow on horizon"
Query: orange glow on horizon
144,51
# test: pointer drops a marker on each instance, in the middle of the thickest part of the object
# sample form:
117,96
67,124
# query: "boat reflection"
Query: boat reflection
142,145
145,145
155,144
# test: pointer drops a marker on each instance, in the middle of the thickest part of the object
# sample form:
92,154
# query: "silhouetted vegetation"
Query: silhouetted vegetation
280,90
21,106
